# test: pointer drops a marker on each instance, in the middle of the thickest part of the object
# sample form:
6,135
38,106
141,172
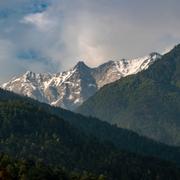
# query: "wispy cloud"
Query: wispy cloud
94,31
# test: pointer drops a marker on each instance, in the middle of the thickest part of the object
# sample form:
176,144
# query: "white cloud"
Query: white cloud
39,20
99,31
9,64
94,31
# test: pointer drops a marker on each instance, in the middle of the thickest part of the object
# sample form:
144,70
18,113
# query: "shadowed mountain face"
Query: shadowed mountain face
71,88
148,102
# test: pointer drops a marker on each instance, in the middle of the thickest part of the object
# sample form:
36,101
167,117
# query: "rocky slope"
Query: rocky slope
71,88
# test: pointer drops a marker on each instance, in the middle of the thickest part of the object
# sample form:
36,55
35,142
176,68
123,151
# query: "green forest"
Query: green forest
147,103
29,132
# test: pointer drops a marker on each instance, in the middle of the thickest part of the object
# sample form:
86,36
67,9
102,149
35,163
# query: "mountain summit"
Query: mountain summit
71,88
81,65
147,103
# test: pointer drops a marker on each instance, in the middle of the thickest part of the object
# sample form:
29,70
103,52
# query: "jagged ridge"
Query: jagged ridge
71,88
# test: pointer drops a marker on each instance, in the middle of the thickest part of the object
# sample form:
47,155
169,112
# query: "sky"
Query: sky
53,35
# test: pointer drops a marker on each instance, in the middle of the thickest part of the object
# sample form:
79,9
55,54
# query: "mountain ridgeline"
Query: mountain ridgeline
71,88
147,103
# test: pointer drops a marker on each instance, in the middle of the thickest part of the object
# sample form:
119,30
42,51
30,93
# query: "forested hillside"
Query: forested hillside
123,139
148,102
30,132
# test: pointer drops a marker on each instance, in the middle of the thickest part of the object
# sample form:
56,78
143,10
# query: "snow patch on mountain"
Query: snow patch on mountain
71,88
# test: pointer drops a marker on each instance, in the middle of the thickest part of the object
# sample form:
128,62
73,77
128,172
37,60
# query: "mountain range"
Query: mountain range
138,99
118,120
147,102
71,88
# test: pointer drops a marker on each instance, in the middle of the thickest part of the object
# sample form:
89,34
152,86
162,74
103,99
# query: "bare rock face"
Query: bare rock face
71,88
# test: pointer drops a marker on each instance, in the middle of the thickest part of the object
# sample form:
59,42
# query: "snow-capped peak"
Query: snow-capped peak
71,88
155,55
81,66
29,75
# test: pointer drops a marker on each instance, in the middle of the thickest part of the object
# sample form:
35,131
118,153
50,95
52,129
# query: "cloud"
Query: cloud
93,31
12,65
40,20
9,63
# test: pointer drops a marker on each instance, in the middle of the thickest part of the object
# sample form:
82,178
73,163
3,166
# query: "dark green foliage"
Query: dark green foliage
28,130
148,102
11,169
123,139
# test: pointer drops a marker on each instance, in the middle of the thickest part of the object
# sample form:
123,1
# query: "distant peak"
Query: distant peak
81,65
155,55
110,62
29,74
